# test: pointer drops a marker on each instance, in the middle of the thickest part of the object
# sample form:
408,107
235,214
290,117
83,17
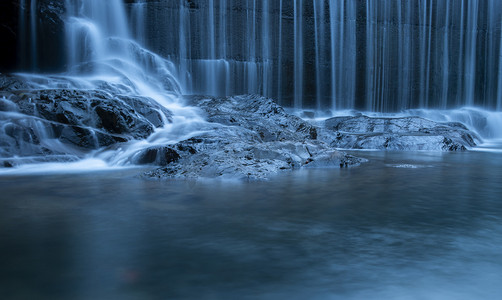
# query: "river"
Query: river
406,225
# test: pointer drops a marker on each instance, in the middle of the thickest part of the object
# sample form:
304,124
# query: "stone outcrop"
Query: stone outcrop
249,137
245,137
404,133
71,121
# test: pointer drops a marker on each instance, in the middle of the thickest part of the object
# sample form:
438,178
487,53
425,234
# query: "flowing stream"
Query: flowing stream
405,226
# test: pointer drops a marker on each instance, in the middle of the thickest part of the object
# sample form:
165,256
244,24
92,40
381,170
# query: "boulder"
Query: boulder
258,114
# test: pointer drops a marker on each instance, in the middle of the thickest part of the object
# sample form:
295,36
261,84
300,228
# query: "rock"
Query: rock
247,137
258,114
70,121
405,133
160,156
250,138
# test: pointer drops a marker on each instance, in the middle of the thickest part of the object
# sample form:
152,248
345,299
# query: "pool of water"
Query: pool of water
416,225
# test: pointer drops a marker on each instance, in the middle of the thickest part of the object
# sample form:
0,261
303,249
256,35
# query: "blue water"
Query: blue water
417,225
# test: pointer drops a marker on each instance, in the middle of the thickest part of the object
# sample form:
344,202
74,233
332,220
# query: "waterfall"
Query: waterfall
99,44
28,42
319,46
89,24
138,19
251,46
332,16
266,56
471,40
34,37
279,54
379,56
22,32
445,56
184,57
103,56
298,58
382,56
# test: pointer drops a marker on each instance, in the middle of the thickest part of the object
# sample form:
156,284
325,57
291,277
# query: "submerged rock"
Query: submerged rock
405,133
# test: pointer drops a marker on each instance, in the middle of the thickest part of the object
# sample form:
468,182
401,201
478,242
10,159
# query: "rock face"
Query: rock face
406,133
70,121
250,137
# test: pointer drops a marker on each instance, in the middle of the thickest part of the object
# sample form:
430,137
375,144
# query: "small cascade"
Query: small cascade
252,71
298,58
343,53
138,21
28,40
105,62
266,49
445,54
33,33
485,123
22,33
279,54
102,46
319,46
184,52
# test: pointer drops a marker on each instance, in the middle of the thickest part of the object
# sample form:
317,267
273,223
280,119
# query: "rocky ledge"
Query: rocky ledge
404,133
249,137
50,124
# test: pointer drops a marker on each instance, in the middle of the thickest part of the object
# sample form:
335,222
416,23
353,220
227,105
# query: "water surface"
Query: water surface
416,225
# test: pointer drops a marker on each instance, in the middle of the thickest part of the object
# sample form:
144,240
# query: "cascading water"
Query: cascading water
28,32
373,55
378,56
138,19
103,57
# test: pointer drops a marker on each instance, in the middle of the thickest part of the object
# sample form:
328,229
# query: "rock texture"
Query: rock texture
249,137
406,133
70,121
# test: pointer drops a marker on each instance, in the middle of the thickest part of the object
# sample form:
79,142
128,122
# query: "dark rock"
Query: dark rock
160,156
250,137
7,164
32,120
406,133
258,114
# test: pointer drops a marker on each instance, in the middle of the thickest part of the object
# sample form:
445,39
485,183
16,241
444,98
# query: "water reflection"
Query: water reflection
374,232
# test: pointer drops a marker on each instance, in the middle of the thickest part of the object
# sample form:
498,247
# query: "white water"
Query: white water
102,52
103,55
298,58
374,55
28,34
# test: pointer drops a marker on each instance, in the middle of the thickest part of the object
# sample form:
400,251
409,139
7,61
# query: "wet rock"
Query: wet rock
70,121
160,156
405,133
258,114
250,138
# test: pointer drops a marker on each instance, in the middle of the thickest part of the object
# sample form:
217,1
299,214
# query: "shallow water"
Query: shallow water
416,225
